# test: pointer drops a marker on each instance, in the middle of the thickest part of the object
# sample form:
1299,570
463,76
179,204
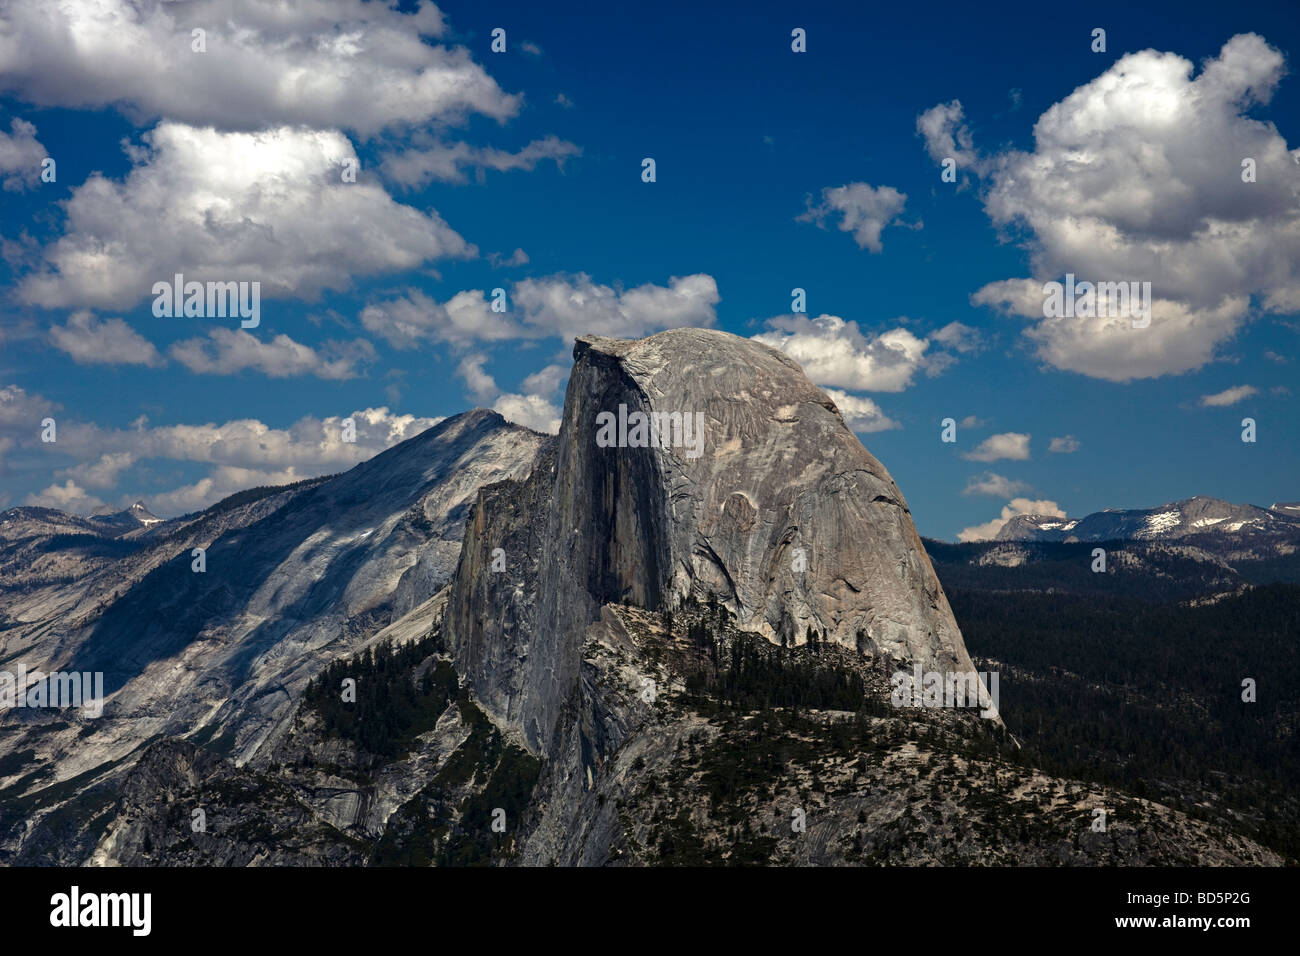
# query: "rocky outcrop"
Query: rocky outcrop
292,582
721,469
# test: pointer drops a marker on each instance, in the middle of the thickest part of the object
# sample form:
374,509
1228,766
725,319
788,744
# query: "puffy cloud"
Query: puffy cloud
19,409
69,497
1108,347
279,214
959,337
1017,506
229,351
531,411
546,381
835,352
995,486
1137,176
864,211
20,156
414,318
1011,445
559,305
311,445
102,473
246,453
110,342
222,482
1229,396
947,136
21,414
568,306
532,408
481,385
860,413
516,258
447,162
325,63
1023,297
1064,445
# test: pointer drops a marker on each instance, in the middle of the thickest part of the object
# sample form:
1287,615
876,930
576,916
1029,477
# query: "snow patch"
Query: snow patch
1159,523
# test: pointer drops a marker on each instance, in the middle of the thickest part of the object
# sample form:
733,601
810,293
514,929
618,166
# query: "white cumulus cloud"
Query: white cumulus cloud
1017,506
108,342
863,210
1009,445
531,411
69,497
568,306
269,206
325,63
1138,176
20,156
414,318
833,351
229,351
1064,445
860,413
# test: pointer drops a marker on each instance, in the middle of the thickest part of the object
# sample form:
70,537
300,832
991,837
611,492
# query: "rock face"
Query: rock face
309,576
775,507
502,598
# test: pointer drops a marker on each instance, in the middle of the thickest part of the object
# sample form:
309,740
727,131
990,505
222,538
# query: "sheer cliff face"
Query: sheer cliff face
226,652
775,507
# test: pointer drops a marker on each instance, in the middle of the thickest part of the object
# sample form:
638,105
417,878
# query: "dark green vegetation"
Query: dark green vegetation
811,727
450,821
393,704
753,675
1146,694
1169,573
400,693
891,790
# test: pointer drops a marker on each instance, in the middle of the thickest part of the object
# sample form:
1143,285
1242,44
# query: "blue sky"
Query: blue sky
1134,174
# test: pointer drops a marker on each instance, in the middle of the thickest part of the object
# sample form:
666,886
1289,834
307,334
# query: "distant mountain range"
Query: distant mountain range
1192,549
1201,520
21,522
136,516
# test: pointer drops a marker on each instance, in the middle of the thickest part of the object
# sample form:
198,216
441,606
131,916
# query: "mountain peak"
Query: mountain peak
141,513
1200,515
731,475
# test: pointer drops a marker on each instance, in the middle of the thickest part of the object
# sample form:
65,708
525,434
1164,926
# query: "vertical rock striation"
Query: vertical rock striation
781,513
